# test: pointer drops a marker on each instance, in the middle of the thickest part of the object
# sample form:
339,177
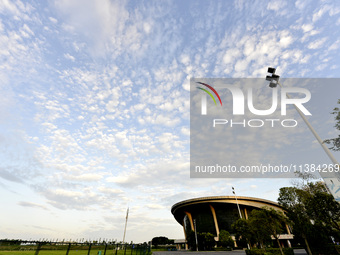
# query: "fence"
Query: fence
17,247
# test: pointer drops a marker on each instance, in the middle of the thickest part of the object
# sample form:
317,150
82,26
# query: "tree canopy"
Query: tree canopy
335,142
225,239
260,227
314,213
205,241
161,240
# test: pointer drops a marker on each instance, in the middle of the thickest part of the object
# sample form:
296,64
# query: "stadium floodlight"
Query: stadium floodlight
273,84
274,78
274,81
238,207
268,78
271,70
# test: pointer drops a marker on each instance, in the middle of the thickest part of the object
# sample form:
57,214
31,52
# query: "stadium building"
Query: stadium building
212,214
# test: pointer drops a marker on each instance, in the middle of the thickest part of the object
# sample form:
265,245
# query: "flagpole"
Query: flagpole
126,219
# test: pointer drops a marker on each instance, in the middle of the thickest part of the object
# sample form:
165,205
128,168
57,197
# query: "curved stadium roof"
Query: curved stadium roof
178,208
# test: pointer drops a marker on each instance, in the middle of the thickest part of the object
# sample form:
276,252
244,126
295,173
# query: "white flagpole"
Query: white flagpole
126,219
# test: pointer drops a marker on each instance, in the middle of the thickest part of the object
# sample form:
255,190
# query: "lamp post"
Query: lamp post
238,207
239,211
126,220
274,81
196,235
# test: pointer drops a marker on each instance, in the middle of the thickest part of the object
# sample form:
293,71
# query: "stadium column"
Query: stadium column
215,220
185,236
190,219
289,233
245,213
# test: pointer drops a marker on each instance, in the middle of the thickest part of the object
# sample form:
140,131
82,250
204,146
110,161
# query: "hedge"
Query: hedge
270,251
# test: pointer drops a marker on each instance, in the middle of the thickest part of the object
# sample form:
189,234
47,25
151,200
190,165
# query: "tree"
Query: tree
265,223
335,141
206,241
225,239
290,198
243,232
275,221
322,208
314,213
191,240
160,240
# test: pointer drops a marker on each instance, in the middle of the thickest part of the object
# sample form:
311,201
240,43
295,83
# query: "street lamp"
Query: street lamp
238,207
274,80
196,235
239,211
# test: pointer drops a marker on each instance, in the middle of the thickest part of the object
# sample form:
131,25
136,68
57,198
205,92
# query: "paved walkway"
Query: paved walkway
300,252
236,252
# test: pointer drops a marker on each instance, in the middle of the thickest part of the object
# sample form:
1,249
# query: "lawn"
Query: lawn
71,252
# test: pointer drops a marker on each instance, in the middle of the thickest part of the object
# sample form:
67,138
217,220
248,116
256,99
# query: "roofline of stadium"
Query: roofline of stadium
247,201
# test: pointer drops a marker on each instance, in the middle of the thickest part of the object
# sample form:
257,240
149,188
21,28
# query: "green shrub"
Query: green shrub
206,241
222,249
225,239
270,251
326,250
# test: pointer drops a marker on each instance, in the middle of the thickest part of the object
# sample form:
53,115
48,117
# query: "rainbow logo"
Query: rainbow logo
209,93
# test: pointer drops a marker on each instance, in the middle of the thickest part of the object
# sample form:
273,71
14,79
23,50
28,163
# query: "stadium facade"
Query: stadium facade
212,214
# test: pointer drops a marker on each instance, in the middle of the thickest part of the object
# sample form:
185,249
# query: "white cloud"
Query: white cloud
316,44
155,206
185,59
106,25
69,57
6,5
53,20
147,27
307,27
85,177
33,205
110,191
285,39
318,14
335,45
139,107
301,4
277,6
165,120
231,55
185,131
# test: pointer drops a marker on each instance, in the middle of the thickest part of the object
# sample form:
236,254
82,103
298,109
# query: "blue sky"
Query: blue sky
94,104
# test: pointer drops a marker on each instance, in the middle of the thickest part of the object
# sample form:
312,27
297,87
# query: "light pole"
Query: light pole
238,207
126,220
239,211
274,80
195,234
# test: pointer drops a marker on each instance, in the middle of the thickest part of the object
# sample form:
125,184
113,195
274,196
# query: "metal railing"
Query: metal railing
68,247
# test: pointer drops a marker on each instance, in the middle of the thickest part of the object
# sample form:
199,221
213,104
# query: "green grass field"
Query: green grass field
60,252
71,252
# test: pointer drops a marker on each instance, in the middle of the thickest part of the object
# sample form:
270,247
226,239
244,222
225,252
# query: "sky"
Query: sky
95,105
